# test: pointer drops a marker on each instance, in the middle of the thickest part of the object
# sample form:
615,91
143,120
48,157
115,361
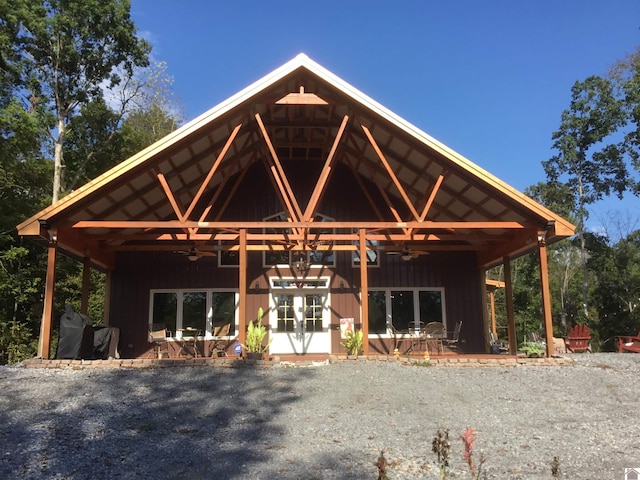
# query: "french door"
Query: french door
300,321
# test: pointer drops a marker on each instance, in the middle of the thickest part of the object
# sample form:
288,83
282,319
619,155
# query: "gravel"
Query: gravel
326,421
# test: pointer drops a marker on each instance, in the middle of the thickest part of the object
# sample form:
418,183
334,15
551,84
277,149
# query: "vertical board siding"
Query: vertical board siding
137,273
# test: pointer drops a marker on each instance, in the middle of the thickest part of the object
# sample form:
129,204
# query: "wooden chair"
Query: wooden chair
578,339
629,343
158,334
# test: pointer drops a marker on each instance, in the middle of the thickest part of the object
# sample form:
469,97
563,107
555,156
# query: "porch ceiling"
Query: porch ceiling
175,192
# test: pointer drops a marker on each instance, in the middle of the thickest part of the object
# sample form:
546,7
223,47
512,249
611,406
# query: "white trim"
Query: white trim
416,306
208,304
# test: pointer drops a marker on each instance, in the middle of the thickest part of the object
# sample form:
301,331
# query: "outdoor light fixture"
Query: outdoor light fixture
301,264
193,257
406,257
341,283
257,285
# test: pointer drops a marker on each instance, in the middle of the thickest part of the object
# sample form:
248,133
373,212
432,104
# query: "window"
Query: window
213,313
318,253
164,306
228,258
373,259
404,309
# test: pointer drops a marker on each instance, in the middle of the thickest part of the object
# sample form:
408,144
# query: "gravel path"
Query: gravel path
319,422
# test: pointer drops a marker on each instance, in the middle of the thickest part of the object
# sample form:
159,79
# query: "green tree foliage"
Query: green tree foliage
68,52
626,77
589,162
616,291
88,47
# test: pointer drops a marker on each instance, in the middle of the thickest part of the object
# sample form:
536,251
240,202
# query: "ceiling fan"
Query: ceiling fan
407,253
193,254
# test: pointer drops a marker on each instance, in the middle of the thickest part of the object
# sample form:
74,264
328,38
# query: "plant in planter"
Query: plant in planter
353,342
255,337
533,349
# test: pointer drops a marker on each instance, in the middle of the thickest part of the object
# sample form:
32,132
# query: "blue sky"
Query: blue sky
489,79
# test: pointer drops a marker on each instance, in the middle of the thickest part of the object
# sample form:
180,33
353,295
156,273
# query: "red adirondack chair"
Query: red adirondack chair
629,343
578,339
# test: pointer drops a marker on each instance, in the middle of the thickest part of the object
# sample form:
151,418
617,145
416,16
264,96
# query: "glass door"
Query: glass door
300,322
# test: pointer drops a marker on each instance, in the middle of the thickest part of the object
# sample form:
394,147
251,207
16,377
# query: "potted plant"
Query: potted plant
256,332
353,342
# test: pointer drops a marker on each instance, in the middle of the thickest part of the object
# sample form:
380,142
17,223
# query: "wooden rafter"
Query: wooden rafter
391,173
283,183
212,172
324,174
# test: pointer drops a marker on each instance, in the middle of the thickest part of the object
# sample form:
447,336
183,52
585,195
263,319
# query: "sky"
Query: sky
488,78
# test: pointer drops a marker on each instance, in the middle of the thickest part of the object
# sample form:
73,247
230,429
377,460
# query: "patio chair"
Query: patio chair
628,343
434,332
497,346
578,339
217,346
452,341
158,334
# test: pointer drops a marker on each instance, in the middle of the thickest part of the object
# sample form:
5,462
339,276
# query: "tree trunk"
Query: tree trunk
58,161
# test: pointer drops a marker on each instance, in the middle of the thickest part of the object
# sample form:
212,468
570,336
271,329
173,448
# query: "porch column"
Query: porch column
485,319
242,287
492,306
364,291
44,342
107,298
511,318
86,283
546,293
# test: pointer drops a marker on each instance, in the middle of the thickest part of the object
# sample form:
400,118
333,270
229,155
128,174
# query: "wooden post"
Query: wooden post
107,298
364,291
546,293
511,318
44,343
242,287
86,283
492,303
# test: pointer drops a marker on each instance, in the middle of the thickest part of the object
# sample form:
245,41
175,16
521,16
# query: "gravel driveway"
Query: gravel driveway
319,422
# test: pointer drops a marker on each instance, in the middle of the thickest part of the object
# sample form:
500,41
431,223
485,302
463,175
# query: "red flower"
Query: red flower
468,437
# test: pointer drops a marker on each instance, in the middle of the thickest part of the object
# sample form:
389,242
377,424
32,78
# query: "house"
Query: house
303,196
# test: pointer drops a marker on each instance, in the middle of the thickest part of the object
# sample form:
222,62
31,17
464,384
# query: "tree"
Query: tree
69,52
589,164
625,75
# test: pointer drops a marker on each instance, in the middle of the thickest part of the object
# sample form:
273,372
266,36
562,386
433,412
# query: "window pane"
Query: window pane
194,310
321,257
313,313
223,309
377,311
229,257
165,309
372,255
280,257
286,317
402,313
430,306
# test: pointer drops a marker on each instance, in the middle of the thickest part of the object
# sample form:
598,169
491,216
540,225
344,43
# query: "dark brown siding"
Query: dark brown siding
137,273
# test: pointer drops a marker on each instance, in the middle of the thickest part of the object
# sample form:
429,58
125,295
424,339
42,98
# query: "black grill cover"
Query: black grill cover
76,335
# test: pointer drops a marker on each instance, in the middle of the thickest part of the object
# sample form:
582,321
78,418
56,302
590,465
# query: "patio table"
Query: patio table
188,341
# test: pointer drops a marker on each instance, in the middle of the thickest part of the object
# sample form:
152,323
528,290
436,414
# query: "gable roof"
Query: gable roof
304,112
